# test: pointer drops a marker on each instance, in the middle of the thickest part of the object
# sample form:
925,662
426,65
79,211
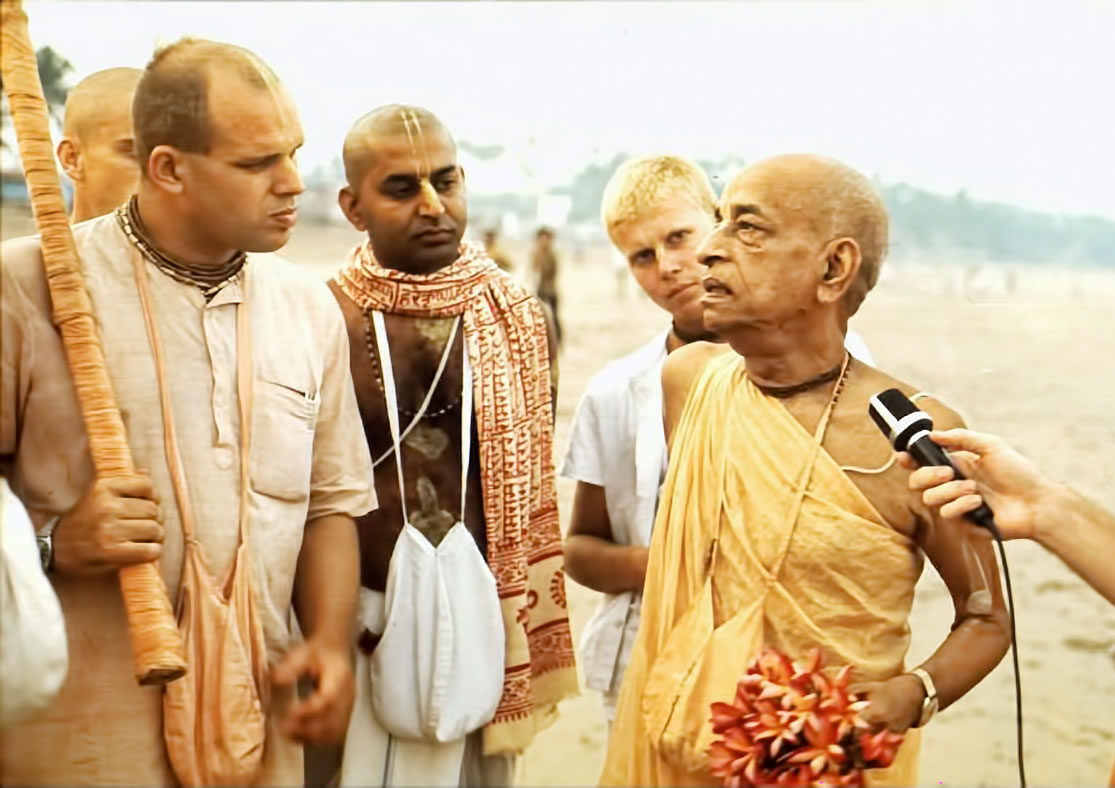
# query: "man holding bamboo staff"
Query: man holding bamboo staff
216,353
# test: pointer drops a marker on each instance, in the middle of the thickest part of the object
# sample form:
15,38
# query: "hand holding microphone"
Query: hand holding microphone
909,431
991,472
1027,503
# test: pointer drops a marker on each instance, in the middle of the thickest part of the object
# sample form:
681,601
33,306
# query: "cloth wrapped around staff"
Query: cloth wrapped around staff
157,647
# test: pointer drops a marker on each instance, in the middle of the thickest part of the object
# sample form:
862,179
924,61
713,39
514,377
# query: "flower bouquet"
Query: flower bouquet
790,724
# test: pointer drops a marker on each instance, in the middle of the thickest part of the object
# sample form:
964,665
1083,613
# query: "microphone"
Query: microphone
907,429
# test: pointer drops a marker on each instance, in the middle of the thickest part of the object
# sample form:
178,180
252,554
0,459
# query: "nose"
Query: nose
289,181
670,261
711,250
431,204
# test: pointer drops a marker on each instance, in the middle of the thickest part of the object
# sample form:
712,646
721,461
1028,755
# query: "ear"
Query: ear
841,264
349,203
166,167
69,155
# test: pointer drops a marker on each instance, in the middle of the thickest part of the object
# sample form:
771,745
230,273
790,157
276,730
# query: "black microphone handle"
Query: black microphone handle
926,452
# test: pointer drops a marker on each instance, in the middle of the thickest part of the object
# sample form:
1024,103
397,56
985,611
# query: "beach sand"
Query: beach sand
1036,365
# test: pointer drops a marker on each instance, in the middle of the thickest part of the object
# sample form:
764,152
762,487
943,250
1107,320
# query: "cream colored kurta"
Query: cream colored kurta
760,539
309,458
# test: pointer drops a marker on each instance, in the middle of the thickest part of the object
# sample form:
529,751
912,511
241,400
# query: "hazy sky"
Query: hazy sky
1014,101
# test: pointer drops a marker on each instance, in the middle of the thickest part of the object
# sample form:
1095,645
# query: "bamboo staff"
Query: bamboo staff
157,650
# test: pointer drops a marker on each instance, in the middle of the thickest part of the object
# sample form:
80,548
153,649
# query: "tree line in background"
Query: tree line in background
922,223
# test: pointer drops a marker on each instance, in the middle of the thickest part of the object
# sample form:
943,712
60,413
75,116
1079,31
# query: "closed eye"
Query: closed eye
257,165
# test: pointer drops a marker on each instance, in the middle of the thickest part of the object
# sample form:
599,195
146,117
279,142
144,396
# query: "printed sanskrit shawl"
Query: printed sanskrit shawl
505,333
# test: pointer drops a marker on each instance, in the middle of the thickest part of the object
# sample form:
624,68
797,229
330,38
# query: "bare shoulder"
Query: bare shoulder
682,367
871,381
685,364
857,445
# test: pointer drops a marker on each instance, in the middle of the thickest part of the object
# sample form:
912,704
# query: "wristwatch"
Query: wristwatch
929,705
45,537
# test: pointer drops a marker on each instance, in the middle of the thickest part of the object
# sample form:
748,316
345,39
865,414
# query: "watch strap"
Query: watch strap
45,538
930,704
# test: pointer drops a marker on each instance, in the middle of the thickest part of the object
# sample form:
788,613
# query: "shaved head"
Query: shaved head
839,202
171,103
97,148
405,188
383,124
107,92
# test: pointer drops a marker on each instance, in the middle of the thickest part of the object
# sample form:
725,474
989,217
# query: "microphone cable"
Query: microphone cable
990,525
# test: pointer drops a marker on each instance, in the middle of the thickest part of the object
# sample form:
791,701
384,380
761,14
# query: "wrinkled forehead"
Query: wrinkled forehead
775,193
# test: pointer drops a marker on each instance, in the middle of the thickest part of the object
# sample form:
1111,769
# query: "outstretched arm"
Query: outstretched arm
1027,503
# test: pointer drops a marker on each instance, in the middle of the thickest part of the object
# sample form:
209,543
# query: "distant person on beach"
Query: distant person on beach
97,150
544,265
495,250
656,210
781,522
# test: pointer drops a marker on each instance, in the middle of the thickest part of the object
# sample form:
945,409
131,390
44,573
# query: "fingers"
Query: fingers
328,686
321,717
967,463
133,553
930,476
907,461
296,663
137,509
961,506
137,485
139,531
941,494
864,688
320,729
966,440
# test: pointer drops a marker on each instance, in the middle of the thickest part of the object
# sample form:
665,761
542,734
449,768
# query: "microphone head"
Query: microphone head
898,418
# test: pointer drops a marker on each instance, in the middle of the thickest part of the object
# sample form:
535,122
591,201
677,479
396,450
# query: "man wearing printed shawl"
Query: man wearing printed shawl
442,305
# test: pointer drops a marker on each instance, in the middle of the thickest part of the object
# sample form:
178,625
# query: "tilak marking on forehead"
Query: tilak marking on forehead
404,114
428,192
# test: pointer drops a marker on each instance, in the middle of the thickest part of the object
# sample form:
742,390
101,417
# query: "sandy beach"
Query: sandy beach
1032,362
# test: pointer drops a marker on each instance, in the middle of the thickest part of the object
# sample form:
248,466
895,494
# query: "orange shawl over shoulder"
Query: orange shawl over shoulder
505,332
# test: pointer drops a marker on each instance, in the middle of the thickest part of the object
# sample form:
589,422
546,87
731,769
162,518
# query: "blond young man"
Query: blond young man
657,210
